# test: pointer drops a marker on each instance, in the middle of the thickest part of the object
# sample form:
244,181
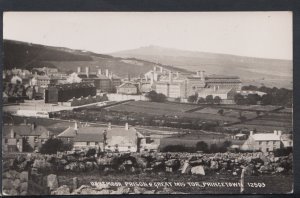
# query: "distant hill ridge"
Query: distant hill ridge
27,55
256,71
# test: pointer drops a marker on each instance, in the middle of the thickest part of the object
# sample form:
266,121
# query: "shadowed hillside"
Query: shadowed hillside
26,55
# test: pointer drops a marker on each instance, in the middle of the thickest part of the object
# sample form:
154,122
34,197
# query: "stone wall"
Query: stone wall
15,183
220,163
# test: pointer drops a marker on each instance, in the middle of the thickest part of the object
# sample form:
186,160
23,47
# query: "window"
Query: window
35,139
88,143
260,142
5,140
267,142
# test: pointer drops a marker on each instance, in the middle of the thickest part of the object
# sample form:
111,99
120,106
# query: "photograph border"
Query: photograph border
181,6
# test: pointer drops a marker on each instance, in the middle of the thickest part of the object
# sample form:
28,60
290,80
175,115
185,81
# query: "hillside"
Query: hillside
27,55
256,71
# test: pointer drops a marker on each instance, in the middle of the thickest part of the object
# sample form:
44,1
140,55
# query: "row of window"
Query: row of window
267,142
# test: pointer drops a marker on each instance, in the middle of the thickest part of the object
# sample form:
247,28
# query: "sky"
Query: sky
255,34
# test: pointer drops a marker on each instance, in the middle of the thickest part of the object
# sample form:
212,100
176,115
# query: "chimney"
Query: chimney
126,126
279,132
109,125
32,126
154,68
99,71
106,73
48,133
152,78
275,132
78,70
215,88
87,71
75,128
170,76
12,133
198,73
251,133
161,69
177,74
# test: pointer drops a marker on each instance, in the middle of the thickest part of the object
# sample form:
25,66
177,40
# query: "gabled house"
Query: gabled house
36,136
11,141
84,137
121,139
264,142
127,88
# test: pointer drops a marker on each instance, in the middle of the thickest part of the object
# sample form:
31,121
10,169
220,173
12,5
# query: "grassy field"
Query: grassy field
169,109
273,183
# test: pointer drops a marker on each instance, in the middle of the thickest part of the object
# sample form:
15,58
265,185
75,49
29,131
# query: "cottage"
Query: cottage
264,142
85,141
121,139
36,136
11,141
84,137
127,88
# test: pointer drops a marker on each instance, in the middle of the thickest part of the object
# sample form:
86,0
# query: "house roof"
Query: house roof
217,91
88,137
121,136
70,131
25,130
266,137
225,80
214,76
121,131
127,84
240,135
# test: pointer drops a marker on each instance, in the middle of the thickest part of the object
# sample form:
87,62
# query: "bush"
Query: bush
52,146
283,151
177,148
155,97
192,98
209,99
26,146
202,146
91,152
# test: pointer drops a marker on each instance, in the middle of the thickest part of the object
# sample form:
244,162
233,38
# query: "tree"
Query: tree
266,99
201,100
26,146
151,95
155,97
192,98
252,99
217,100
221,112
161,98
202,146
52,146
209,99
239,99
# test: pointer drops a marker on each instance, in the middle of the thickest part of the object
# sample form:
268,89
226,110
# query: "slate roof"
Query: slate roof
127,84
217,91
25,130
70,132
266,137
88,137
